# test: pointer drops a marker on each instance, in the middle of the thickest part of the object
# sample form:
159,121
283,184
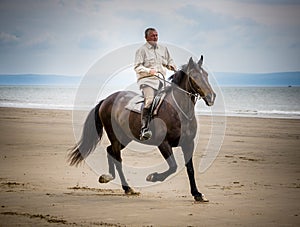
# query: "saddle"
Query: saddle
137,102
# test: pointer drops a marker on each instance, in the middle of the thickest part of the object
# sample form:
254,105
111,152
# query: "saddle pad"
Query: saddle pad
135,104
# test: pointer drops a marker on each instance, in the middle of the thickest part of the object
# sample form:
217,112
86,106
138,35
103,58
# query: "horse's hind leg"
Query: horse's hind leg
105,178
115,162
118,164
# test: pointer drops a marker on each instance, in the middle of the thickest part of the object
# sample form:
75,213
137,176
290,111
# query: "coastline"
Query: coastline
261,102
292,116
253,181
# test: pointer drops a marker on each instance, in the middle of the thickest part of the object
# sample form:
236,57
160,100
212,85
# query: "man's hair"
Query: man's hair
148,30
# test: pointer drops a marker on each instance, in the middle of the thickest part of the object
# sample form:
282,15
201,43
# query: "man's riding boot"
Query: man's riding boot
145,132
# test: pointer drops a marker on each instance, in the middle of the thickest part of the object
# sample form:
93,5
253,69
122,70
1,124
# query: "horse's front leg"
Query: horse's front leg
188,150
166,151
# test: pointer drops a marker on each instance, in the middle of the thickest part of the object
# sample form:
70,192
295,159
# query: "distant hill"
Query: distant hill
265,79
37,79
223,79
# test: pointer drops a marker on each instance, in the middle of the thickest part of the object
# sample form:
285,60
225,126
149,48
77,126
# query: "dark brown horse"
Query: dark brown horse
122,126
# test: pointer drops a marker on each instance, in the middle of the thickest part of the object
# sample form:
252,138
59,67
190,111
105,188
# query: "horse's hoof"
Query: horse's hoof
152,177
105,178
201,198
130,191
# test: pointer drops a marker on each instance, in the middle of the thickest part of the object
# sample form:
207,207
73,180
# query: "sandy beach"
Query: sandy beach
255,180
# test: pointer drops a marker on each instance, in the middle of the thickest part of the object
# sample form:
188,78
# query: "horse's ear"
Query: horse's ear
191,61
190,65
200,62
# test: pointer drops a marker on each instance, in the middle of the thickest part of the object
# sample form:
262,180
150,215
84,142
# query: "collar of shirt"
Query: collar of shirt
149,46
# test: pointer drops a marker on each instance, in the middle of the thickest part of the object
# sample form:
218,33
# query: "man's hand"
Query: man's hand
171,67
152,72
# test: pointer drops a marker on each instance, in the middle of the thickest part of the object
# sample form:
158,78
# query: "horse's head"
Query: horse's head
198,81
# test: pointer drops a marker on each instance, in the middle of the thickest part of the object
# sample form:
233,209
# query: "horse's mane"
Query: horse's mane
177,77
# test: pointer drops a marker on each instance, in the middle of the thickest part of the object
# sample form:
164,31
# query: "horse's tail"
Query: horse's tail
91,135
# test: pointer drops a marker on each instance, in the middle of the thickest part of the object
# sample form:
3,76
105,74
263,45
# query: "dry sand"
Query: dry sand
255,180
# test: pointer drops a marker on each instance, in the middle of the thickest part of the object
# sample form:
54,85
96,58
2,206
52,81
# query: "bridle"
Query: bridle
196,96
194,92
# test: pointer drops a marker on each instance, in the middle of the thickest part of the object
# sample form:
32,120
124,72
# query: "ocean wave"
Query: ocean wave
36,105
276,102
253,113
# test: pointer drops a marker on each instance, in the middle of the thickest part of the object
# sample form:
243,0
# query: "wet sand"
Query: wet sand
255,180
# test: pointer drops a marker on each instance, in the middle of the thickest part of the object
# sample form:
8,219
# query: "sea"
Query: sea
263,102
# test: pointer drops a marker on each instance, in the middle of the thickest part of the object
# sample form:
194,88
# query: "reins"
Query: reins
195,94
181,110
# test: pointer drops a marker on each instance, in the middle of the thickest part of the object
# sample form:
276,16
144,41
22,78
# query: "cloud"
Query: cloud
270,2
43,41
94,40
234,35
6,38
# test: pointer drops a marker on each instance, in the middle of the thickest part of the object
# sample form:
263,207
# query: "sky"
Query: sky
68,37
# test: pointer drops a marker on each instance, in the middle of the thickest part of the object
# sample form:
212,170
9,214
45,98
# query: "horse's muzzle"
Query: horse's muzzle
210,99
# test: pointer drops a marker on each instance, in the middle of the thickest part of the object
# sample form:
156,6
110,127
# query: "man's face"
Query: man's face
152,37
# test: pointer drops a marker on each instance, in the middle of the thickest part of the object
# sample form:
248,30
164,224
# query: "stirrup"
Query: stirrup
145,134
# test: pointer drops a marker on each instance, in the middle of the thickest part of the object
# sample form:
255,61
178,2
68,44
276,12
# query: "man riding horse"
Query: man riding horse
151,61
123,125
